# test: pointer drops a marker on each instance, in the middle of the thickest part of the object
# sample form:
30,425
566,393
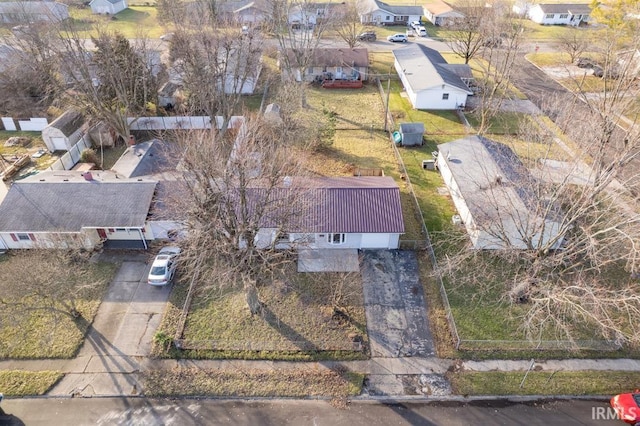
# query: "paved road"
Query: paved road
185,412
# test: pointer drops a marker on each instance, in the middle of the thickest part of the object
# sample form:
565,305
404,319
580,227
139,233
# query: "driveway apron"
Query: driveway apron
395,306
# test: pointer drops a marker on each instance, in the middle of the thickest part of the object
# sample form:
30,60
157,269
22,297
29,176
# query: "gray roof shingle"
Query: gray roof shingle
573,8
69,206
425,68
68,122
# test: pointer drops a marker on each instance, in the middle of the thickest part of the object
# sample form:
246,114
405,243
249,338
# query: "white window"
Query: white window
445,96
564,16
336,238
387,18
24,237
550,15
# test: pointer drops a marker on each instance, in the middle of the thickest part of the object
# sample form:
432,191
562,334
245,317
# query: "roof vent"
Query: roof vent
287,181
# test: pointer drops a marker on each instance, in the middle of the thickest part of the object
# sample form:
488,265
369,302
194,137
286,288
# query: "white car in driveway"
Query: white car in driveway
399,37
164,266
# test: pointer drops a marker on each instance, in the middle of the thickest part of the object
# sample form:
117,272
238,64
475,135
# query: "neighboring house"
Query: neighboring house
495,196
64,132
554,14
375,12
307,15
242,11
430,82
25,12
332,213
169,94
67,209
441,13
330,63
108,7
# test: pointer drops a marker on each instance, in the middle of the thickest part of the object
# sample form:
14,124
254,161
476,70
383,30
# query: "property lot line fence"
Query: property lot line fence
71,157
470,345
266,345
427,240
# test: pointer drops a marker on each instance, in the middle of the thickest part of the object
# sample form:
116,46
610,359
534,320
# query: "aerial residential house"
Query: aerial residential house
67,209
331,213
441,13
108,7
248,12
25,12
554,14
430,82
64,132
307,15
375,12
330,63
495,196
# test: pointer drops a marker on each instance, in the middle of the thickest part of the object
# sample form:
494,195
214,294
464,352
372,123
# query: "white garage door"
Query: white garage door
59,144
374,241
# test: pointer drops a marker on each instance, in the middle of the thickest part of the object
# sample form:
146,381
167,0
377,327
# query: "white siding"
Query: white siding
80,239
433,98
374,241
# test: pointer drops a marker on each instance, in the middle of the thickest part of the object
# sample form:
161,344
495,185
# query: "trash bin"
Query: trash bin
397,137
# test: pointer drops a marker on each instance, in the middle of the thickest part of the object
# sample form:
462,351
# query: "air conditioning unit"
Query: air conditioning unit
456,219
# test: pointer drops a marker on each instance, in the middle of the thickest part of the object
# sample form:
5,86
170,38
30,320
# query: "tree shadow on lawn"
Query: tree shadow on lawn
287,331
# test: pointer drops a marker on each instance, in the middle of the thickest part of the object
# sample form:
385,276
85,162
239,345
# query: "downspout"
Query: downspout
144,242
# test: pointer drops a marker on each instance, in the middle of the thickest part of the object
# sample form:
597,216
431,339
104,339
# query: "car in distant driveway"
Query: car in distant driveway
415,24
397,38
367,36
421,31
627,407
163,267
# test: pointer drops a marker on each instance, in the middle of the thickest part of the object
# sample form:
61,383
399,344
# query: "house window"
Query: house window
121,229
283,237
550,15
320,12
24,237
338,70
445,96
564,16
336,238
310,71
387,18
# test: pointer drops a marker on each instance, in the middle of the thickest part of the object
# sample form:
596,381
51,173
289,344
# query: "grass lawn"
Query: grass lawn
134,22
549,59
501,123
15,383
544,382
111,155
29,325
299,320
242,383
30,148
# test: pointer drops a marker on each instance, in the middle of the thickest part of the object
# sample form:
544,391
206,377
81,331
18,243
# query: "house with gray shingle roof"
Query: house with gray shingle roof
375,12
496,196
26,12
108,7
68,209
430,82
330,213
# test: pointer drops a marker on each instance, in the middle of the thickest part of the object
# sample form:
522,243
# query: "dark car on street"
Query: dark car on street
367,36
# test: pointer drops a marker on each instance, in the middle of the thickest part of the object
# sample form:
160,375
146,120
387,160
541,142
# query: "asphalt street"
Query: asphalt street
185,412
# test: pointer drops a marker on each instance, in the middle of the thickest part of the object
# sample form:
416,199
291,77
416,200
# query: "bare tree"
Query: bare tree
111,83
240,204
574,43
346,22
469,33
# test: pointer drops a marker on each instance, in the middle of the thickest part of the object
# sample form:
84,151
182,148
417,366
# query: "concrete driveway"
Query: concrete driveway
120,336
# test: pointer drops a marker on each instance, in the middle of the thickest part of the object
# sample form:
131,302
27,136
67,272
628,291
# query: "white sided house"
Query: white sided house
27,12
68,209
64,132
375,12
555,14
430,82
332,213
108,7
441,13
492,191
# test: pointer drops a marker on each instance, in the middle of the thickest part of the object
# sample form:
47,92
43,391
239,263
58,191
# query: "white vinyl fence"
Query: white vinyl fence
179,123
30,125
71,157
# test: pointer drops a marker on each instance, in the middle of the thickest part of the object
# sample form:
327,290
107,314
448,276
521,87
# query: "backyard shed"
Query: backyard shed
64,132
412,133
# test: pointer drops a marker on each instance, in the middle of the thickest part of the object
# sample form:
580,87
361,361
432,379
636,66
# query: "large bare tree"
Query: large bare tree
468,34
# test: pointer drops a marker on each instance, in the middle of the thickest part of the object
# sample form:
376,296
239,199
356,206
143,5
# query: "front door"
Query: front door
102,234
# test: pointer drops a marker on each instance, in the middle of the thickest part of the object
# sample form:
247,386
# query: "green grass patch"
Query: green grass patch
242,383
109,156
544,382
16,383
549,59
134,22
585,84
32,326
381,63
501,123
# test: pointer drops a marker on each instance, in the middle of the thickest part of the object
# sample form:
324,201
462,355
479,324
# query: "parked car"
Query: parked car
492,42
585,63
627,407
421,31
367,36
401,38
164,266
415,24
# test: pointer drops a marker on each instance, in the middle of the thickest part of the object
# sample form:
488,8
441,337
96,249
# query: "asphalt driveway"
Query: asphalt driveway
396,310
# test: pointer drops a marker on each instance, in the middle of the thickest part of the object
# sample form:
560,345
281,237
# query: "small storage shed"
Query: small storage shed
64,132
412,134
